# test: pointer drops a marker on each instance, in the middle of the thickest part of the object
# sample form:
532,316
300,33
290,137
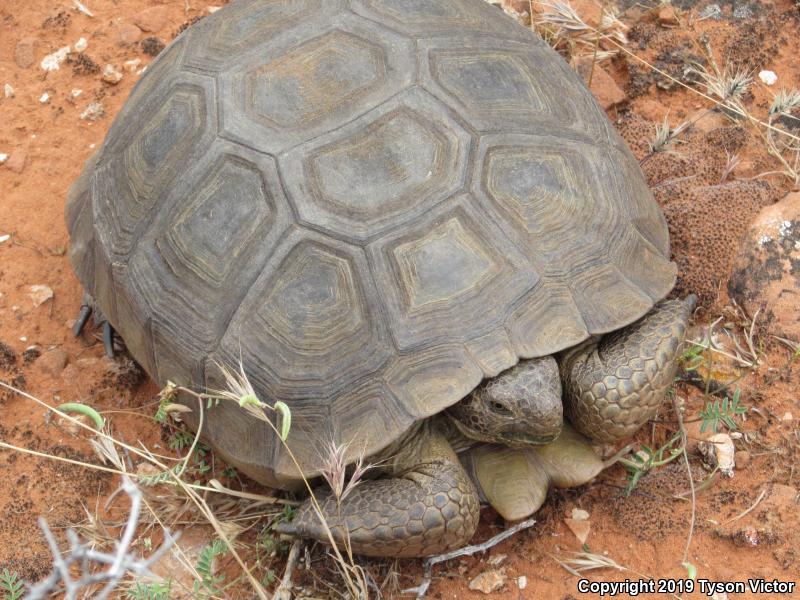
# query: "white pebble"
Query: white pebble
23,339
787,416
75,93
522,582
52,62
4,238
3,158
8,90
93,112
132,65
44,98
81,45
92,146
213,9
111,75
768,77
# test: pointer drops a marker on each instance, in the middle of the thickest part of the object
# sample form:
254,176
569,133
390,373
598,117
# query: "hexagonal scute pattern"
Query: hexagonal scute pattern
244,25
379,171
317,78
489,82
372,204
232,200
293,89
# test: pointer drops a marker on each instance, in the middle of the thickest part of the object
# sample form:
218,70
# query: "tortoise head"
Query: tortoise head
518,407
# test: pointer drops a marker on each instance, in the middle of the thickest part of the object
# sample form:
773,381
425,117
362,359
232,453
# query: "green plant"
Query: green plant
647,459
210,584
159,590
724,412
180,440
11,585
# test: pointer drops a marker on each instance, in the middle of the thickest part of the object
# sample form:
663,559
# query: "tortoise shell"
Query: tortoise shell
372,204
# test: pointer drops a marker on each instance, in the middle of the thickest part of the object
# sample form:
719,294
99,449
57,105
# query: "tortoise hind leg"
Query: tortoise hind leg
87,308
614,386
425,509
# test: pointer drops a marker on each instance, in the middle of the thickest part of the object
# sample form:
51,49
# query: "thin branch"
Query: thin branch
422,588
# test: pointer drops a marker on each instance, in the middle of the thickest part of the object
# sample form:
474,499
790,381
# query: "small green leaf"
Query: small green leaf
85,410
691,570
286,419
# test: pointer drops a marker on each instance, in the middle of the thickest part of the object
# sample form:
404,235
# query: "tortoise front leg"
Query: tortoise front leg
614,386
427,506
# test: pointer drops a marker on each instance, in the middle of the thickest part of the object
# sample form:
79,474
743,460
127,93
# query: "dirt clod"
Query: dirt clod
152,46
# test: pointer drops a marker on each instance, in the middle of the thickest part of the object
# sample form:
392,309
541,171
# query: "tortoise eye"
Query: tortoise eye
500,408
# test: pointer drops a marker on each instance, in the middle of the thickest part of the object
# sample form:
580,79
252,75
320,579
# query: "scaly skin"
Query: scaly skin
614,386
429,506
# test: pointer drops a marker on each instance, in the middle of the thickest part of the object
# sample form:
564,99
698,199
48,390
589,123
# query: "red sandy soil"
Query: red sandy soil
646,532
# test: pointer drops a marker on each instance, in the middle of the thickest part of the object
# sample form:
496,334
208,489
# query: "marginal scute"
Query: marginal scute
492,352
439,372
607,299
546,322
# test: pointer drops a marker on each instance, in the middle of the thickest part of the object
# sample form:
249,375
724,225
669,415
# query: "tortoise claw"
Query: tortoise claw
83,316
108,339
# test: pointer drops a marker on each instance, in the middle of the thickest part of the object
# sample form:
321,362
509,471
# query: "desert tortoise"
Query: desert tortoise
375,205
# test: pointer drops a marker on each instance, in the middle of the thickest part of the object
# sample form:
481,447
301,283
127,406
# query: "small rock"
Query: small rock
742,458
765,276
152,46
579,514
522,582
40,294
603,87
712,11
16,161
3,158
4,238
75,93
580,527
25,52
768,77
497,559
151,20
132,65
128,34
8,91
53,361
718,452
489,582
787,417
81,45
93,112
44,98
213,9
667,16
707,120
111,75
52,62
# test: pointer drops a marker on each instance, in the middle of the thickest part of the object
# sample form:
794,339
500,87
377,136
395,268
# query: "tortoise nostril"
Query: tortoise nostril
500,408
